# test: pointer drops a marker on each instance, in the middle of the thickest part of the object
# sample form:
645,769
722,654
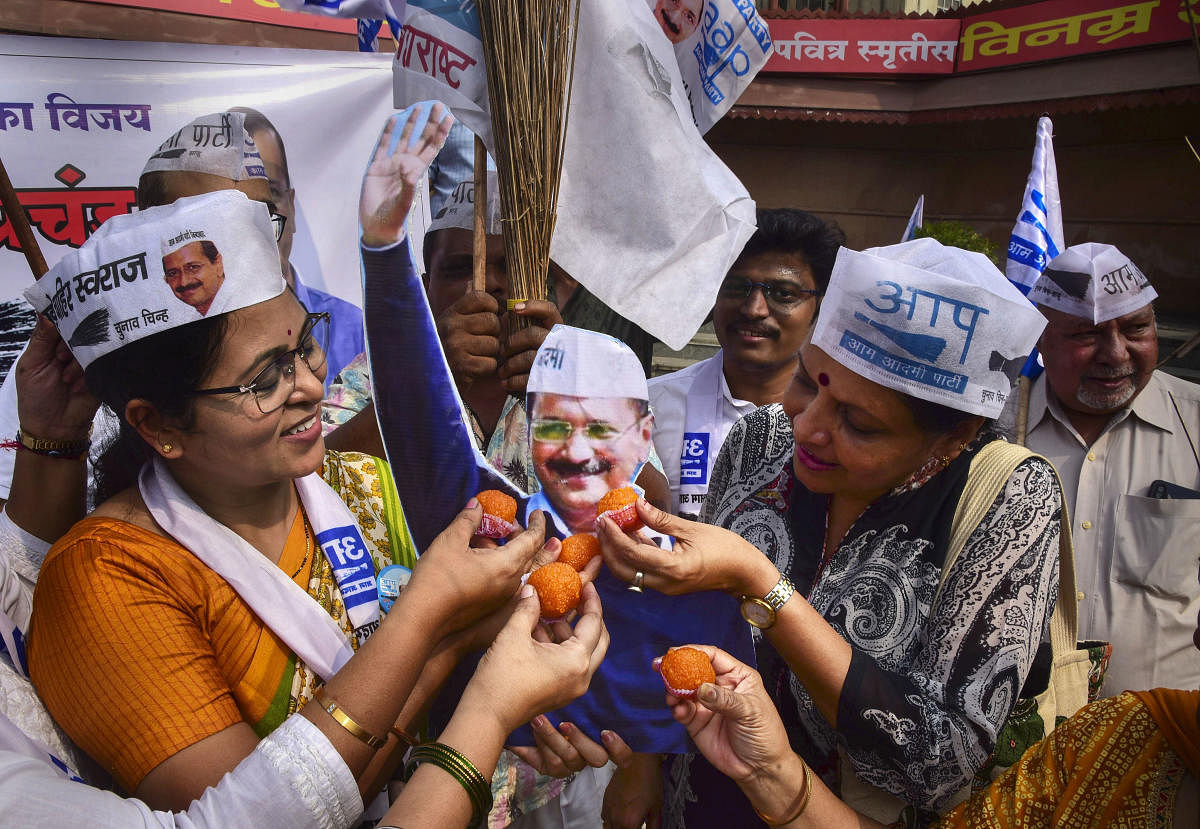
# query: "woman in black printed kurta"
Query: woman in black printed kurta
927,688
863,658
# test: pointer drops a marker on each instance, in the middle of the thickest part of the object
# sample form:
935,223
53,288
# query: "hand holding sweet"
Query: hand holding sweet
460,579
733,722
705,557
391,180
521,675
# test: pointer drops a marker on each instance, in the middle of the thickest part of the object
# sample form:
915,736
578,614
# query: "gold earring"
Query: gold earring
166,447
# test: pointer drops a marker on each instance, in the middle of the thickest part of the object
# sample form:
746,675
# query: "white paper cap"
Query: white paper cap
928,320
112,291
1093,281
581,363
216,143
458,209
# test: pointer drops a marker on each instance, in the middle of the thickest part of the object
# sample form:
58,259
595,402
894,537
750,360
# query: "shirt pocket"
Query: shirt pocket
1157,544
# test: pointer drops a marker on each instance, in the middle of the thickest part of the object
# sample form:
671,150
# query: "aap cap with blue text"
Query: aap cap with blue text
929,320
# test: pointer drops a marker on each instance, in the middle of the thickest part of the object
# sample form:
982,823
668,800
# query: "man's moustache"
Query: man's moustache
595,466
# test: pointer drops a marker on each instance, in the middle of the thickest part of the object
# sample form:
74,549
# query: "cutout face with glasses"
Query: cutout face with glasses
584,446
763,312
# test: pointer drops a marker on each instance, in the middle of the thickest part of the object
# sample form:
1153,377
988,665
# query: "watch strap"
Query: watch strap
69,449
778,595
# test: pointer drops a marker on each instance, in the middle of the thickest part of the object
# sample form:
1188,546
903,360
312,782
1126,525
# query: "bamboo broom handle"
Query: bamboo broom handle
479,260
20,223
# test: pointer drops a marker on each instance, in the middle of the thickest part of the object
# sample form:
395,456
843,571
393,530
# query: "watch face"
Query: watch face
758,613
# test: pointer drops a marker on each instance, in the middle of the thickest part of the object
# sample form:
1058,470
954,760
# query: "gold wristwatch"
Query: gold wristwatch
761,613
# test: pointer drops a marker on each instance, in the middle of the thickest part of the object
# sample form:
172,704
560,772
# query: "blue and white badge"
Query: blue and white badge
392,581
353,568
693,459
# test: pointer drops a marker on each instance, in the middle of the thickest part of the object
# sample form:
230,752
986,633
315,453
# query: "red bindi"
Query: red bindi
823,379
289,332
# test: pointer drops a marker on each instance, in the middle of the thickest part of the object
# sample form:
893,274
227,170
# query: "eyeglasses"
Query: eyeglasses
597,432
272,386
781,296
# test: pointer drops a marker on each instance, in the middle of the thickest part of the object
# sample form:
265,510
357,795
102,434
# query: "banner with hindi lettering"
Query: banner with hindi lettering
1062,28
864,47
79,118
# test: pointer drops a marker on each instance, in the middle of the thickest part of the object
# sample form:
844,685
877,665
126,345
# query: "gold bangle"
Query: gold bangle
456,764
801,798
345,721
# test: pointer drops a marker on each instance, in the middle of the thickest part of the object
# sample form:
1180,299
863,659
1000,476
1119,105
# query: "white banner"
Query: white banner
79,118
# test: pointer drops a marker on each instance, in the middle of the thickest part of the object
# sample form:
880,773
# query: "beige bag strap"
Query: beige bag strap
990,469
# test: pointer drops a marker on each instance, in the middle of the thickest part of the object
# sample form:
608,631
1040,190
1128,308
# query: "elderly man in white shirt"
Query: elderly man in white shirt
762,314
1123,437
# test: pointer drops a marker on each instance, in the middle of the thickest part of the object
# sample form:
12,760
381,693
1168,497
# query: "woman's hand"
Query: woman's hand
520,676
392,177
52,400
461,578
481,633
566,750
732,721
704,558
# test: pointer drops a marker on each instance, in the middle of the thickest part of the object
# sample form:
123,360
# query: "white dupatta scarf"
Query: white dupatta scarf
280,603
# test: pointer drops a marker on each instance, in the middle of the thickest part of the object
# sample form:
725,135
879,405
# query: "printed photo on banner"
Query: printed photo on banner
75,145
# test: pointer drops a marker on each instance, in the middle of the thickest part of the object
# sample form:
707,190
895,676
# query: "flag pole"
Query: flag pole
1022,425
20,224
479,259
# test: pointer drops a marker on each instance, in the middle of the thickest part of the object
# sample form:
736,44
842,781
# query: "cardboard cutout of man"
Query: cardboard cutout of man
589,423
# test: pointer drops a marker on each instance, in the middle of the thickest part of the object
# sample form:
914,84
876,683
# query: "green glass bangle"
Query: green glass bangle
454,763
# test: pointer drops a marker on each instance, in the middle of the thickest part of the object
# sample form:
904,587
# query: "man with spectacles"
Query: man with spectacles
762,315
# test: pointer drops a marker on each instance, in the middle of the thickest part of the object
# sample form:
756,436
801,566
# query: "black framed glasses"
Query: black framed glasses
782,296
272,386
558,432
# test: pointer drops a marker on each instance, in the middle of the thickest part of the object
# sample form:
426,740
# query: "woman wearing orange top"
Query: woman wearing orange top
223,583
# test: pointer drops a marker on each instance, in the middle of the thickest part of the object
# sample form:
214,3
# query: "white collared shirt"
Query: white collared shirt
1135,556
669,402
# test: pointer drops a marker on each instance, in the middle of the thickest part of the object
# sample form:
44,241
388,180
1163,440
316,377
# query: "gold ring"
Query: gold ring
636,585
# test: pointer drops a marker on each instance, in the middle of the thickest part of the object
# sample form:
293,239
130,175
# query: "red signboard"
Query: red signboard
924,47
1062,28
255,11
